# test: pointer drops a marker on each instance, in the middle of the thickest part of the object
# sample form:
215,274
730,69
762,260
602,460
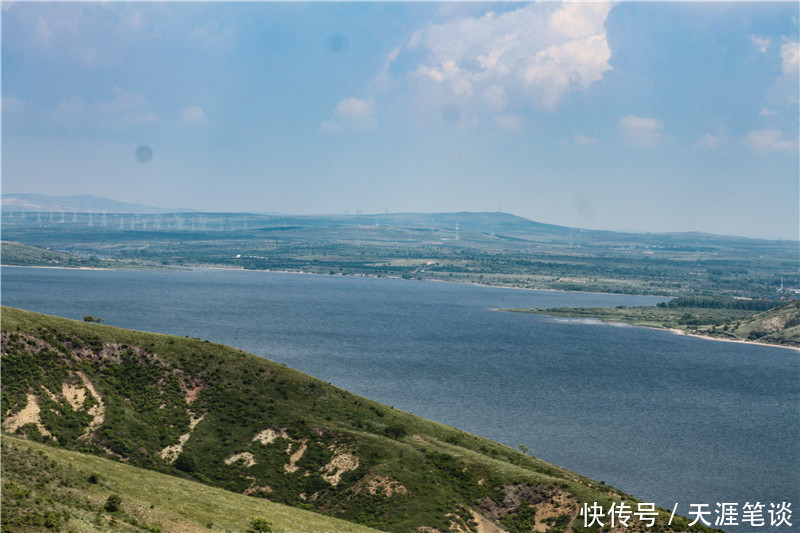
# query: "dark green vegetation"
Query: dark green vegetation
486,248
213,414
764,321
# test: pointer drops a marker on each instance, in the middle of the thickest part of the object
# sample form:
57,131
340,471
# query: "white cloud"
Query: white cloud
640,131
487,65
761,43
768,140
357,112
790,56
583,140
193,115
536,54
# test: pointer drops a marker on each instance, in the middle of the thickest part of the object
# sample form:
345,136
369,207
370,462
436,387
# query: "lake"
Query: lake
667,418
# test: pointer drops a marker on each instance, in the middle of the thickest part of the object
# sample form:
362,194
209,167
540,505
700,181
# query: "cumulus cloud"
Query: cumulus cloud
489,66
641,131
790,56
768,140
538,53
193,115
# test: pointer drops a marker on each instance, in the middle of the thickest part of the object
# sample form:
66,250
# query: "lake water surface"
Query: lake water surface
667,418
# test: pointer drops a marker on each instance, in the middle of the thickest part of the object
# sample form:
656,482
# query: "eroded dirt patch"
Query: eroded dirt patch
340,463
28,415
246,458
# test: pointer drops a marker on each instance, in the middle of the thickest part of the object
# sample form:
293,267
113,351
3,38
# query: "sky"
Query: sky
629,116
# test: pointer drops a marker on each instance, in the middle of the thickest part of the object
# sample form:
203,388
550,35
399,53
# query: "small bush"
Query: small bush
112,503
395,432
260,525
185,463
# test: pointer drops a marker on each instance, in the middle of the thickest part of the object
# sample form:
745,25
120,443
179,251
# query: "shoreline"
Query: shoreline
739,341
472,283
674,331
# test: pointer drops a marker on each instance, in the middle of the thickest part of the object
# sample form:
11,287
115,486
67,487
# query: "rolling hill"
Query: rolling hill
228,419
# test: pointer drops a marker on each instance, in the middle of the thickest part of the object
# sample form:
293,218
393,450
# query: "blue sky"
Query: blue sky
640,116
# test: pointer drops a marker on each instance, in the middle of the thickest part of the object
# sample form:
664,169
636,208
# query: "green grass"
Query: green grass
43,485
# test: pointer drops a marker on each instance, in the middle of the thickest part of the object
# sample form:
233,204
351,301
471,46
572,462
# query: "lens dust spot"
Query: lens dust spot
144,154
337,42
451,114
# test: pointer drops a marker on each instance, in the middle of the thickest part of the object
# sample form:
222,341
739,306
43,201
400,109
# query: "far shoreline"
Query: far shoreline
338,274
674,331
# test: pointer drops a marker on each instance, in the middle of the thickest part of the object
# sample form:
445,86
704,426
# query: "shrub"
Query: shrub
185,463
112,503
395,431
260,525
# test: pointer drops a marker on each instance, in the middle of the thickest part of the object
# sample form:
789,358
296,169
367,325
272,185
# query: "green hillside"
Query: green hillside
14,253
47,488
217,415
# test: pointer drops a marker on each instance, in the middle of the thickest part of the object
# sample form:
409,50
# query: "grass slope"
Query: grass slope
229,419
47,488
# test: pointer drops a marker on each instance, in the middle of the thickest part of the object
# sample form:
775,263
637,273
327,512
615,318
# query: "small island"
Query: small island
775,322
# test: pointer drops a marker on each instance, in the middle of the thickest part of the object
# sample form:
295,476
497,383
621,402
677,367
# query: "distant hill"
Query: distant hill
84,203
780,325
229,419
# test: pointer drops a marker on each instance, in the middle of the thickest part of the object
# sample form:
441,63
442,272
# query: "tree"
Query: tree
524,449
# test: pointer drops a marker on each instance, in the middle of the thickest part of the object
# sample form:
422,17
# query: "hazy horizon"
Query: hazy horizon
664,117
187,211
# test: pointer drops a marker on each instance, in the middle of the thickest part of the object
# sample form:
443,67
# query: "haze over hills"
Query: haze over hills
492,223
489,248
84,203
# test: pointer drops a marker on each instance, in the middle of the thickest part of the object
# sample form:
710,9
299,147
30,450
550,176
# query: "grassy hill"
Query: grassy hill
228,419
15,253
